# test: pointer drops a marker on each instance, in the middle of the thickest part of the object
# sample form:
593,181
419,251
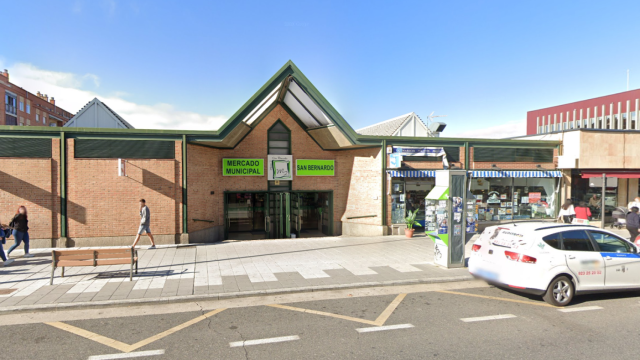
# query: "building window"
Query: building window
44,119
514,198
279,143
21,105
53,124
600,123
37,117
10,104
28,122
28,108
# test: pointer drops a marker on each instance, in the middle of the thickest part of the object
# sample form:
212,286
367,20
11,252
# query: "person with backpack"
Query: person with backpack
20,226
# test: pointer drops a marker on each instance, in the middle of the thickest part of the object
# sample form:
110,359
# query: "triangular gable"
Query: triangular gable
96,114
290,88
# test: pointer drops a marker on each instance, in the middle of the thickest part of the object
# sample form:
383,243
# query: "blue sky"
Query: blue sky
482,63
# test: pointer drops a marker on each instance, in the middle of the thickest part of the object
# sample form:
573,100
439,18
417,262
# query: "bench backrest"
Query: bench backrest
92,257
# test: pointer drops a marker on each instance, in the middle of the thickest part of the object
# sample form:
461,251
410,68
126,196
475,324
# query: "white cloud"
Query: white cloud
510,129
71,94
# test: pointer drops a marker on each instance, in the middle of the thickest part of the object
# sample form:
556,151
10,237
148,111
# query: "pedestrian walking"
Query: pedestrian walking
567,213
145,221
633,223
3,234
582,211
20,226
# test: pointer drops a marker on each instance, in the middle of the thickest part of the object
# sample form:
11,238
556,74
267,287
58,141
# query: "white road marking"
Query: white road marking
264,341
583,308
382,328
484,318
126,355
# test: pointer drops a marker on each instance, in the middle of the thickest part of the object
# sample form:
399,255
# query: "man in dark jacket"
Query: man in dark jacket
633,223
145,221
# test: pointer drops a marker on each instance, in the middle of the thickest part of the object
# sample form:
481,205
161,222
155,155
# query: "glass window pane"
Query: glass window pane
278,127
278,152
283,144
576,240
278,136
610,243
553,241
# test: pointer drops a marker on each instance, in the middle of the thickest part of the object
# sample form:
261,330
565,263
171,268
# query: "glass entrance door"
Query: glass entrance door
280,215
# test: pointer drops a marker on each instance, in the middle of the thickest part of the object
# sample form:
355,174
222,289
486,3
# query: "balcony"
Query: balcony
10,109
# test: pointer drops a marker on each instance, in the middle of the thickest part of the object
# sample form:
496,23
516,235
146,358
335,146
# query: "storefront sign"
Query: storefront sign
534,197
243,167
419,151
395,161
279,167
315,167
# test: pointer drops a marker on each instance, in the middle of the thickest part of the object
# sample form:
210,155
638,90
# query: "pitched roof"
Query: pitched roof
114,115
387,127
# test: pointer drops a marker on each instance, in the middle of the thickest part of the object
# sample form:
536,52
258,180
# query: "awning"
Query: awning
517,174
412,173
611,174
438,193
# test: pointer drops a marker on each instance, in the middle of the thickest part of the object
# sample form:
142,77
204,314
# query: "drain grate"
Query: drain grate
6,291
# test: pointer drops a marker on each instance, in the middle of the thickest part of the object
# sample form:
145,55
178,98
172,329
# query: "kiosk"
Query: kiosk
449,217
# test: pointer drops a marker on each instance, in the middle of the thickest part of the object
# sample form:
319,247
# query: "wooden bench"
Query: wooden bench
97,257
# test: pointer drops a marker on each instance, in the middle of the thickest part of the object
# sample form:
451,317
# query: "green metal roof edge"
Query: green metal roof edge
289,68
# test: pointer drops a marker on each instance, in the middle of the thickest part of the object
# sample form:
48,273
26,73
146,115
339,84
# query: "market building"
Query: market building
286,164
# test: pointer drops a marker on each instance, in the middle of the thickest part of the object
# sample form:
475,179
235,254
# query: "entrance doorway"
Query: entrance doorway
278,215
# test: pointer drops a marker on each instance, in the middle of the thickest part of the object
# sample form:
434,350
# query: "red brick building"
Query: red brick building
23,108
285,164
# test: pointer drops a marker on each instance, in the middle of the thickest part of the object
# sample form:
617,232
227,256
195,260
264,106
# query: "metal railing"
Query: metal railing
362,216
10,109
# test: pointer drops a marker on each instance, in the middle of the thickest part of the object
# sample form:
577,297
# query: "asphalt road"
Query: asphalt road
446,321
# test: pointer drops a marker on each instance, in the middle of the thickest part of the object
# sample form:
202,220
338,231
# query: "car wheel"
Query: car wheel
560,292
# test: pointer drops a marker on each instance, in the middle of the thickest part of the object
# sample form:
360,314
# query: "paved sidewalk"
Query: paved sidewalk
228,269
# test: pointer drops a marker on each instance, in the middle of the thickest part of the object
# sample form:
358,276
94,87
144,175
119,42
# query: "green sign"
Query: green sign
243,167
315,167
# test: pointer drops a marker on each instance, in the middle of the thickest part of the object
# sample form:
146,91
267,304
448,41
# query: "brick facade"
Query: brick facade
33,182
356,185
102,204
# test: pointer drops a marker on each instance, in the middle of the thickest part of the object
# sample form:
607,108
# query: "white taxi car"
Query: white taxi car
555,261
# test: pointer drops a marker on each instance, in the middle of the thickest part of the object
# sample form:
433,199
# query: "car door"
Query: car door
622,263
583,260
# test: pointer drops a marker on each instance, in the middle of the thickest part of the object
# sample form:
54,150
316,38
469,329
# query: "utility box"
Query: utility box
446,217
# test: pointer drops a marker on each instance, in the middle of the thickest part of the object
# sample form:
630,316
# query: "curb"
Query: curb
223,296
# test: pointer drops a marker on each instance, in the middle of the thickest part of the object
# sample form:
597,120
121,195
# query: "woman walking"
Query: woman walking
20,226
567,212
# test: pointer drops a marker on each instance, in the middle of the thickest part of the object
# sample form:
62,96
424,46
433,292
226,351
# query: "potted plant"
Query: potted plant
410,220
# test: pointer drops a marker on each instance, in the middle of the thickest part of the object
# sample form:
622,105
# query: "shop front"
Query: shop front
514,195
409,189
276,215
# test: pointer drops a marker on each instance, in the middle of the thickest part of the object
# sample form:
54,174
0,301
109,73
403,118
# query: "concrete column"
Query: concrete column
612,124
562,121
619,122
582,123
623,199
637,113
589,125
633,188
628,115
538,125
555,118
